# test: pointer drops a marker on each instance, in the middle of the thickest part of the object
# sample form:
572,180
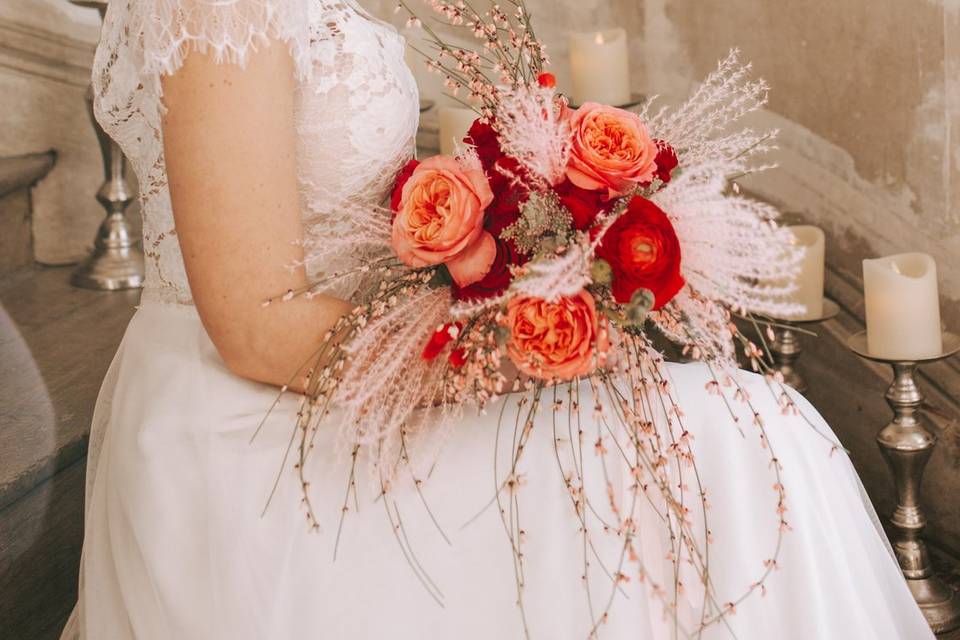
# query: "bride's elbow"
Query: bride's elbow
242,364
245,355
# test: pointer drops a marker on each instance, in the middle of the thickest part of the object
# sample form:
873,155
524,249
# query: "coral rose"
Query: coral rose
644,253
439,219
556,340
611,151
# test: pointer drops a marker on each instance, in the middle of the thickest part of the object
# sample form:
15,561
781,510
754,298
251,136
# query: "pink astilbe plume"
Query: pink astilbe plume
698,129
733,252
566,275
390,344
534,131
344,244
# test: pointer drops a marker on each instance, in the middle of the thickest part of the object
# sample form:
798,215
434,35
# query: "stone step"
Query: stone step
56,343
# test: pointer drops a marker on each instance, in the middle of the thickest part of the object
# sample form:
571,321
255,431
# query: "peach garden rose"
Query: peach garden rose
556,340
612,150
439,219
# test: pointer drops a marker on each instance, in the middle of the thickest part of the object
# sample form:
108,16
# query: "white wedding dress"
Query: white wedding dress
177,546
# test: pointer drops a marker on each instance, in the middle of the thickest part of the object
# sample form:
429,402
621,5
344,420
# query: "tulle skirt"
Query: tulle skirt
184,541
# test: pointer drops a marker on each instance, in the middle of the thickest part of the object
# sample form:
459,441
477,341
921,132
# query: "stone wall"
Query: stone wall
46,49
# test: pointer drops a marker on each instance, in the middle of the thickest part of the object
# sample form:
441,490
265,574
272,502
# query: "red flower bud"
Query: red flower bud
547,80
457,358
440,339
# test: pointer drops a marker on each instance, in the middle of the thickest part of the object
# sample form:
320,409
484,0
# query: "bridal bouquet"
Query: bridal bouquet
552,253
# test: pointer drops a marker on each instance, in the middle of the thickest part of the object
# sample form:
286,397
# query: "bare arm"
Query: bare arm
230,149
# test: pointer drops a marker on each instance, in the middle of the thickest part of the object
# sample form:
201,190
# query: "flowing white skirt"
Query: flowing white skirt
177,546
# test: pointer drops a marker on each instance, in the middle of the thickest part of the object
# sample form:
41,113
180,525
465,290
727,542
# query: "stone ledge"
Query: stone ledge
46,54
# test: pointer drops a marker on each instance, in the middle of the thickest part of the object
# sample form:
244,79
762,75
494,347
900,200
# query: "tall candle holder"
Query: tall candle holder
116,261
786,347
906,445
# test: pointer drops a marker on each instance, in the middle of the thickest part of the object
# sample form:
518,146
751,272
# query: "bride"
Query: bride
249,122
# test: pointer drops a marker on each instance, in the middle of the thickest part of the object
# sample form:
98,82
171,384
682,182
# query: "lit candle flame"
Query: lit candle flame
599,39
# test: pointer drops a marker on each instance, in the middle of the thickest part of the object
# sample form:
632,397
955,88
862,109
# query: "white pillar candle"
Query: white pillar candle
809,280
903,307
455,123
600,66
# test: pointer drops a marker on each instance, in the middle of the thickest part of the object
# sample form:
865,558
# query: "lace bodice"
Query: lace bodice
356,117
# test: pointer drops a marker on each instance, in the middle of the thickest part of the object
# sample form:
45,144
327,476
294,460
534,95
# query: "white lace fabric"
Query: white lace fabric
356,107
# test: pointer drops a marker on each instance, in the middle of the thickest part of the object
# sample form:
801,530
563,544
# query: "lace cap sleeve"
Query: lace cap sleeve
158,34
230,29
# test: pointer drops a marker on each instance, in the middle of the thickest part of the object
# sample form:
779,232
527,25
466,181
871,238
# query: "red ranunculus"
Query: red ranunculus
666,160
497,280
584,205
401,180
644,253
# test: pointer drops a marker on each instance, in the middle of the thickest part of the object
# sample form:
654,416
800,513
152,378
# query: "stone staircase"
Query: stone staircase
56,342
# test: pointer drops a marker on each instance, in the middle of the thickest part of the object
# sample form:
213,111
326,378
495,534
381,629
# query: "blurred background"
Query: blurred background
865,93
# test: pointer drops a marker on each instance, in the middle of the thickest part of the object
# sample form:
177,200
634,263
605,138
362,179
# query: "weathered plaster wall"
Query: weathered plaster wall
867,93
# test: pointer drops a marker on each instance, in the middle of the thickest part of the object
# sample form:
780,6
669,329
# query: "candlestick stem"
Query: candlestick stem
906,445
116,261
786,350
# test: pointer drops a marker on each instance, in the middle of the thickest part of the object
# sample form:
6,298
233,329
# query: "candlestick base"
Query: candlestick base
786,347
907,444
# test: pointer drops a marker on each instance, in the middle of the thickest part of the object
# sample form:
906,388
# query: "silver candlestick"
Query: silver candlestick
786,347
116,261
906,444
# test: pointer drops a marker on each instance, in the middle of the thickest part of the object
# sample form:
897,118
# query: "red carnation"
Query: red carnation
584,205
502,172
484,138
401,180
644,253
509,195
497,280
666,160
